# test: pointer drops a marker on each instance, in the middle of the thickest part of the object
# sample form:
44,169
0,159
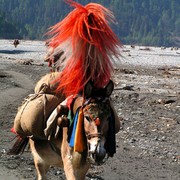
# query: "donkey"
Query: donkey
15,43
89,46
97,117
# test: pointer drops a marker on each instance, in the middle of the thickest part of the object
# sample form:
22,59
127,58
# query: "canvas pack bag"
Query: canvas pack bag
32,115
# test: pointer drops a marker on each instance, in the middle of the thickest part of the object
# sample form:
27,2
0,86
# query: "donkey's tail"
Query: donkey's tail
19,146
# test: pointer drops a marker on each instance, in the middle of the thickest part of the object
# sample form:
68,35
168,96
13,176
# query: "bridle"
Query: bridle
98,135
90,116
93,118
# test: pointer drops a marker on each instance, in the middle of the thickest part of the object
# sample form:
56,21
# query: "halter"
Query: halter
91,119
99,135
97,100
92,156
90,116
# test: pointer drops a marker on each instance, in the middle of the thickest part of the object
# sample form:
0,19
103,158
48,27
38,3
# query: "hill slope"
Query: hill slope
145,22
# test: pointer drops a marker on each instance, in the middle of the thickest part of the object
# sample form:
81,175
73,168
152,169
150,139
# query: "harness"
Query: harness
110,144
76,132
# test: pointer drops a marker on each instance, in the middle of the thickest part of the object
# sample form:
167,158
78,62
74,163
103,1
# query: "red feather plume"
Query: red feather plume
89,45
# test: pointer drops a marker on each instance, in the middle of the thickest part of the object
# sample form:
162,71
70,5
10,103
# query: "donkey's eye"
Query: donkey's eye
88,118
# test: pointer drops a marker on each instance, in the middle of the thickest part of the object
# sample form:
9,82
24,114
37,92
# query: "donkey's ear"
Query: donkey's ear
88,89
109,88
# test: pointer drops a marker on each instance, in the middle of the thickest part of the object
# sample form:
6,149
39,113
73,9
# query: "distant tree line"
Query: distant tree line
7,29
142,22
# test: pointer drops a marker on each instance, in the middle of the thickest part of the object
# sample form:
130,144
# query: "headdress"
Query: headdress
89,46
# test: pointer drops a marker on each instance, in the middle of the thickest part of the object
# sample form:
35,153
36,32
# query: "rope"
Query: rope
31,97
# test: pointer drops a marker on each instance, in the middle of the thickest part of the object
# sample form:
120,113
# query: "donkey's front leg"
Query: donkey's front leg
68,169
66,157
75,165
72,172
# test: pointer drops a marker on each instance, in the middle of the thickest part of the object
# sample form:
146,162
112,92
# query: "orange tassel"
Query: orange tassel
80,141
97,122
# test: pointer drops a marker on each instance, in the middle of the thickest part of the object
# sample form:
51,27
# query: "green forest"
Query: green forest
141,22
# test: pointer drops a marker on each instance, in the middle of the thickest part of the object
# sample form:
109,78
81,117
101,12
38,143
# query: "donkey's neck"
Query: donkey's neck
77,103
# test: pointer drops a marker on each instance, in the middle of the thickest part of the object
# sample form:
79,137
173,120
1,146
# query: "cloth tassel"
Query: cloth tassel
111,138
19,146
72,138
80,142
77,139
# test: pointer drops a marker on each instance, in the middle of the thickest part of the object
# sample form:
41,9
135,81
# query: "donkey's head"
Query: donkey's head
97,116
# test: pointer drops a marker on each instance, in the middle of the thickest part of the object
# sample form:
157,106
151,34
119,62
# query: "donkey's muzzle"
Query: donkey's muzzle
98,155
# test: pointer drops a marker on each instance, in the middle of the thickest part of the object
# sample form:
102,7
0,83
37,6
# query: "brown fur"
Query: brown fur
62,155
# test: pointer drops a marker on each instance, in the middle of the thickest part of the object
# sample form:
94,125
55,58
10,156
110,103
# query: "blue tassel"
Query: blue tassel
71,142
